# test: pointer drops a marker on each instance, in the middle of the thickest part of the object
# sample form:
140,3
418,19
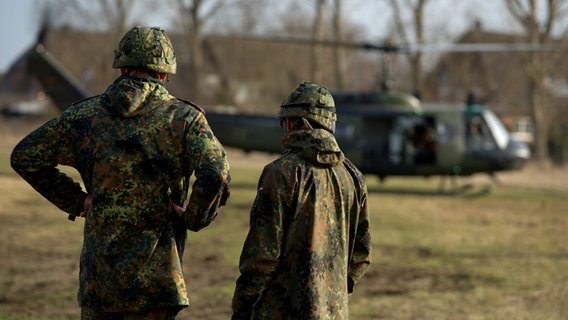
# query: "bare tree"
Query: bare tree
193,15
417,9
251,12
316,35
337,35
538,64
112,16
339,51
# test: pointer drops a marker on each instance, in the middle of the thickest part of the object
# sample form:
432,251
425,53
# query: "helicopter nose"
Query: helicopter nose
519,153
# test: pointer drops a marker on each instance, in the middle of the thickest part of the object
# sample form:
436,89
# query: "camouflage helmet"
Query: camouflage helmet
311,101
147,47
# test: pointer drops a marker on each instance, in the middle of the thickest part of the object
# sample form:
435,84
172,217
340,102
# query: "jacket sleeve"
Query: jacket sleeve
209,161
359,230
361,252
36,158
262,247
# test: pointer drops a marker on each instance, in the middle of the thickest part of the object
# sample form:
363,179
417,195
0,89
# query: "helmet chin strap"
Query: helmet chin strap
307,124
292,124
289,124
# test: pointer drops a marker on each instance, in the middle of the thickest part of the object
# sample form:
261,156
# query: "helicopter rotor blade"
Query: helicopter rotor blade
397,46
484,47
386,46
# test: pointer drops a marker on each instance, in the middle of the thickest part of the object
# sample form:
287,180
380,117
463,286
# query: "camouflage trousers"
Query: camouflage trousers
154,314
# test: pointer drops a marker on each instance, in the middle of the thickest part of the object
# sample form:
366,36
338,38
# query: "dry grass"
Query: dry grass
501,255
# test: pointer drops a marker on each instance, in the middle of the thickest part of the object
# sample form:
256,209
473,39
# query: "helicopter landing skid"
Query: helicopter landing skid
469,189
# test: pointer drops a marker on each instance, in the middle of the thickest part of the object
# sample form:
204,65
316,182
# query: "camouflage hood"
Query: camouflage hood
131,97
315,146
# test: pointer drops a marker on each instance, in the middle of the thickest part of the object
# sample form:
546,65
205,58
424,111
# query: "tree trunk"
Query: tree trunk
338,51
538,64
416,59
316,49
540,119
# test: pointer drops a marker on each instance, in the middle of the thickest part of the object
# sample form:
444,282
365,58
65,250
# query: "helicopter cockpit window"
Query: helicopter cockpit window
478,135
500,133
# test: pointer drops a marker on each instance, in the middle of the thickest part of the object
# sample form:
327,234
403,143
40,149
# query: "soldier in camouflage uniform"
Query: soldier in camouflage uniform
135,145
309,240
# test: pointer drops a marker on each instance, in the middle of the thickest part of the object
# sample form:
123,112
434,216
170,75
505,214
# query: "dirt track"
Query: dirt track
206,267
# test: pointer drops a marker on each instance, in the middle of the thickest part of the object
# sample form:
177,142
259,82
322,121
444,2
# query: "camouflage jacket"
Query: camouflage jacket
132,146
309,241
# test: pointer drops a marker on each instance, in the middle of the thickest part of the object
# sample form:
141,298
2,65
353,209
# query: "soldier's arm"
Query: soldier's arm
36,158
361,255
210,189
262,247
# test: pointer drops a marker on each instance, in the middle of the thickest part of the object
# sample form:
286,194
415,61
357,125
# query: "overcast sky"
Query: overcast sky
19,20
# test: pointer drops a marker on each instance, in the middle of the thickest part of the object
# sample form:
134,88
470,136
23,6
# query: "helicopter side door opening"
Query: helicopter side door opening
399,144
412,141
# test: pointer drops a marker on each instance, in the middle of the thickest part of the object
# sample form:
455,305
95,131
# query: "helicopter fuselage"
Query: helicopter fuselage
396,139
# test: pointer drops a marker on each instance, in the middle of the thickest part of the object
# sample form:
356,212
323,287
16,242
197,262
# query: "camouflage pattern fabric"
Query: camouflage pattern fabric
132,146
309,240
311,101
147,47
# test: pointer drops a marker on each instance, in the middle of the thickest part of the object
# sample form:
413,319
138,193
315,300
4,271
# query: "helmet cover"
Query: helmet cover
147,47
311,101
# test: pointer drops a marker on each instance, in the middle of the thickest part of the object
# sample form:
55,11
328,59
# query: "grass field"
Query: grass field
473,255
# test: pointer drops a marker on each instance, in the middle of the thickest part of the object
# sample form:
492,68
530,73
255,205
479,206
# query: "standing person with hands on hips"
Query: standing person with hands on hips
309,241
135,146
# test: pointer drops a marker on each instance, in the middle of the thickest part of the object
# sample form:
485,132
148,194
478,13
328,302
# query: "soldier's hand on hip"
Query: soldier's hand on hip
179,210
86,206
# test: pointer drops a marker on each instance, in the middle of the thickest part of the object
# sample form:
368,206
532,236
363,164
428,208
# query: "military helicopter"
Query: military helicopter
384,133
396,135
391,133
